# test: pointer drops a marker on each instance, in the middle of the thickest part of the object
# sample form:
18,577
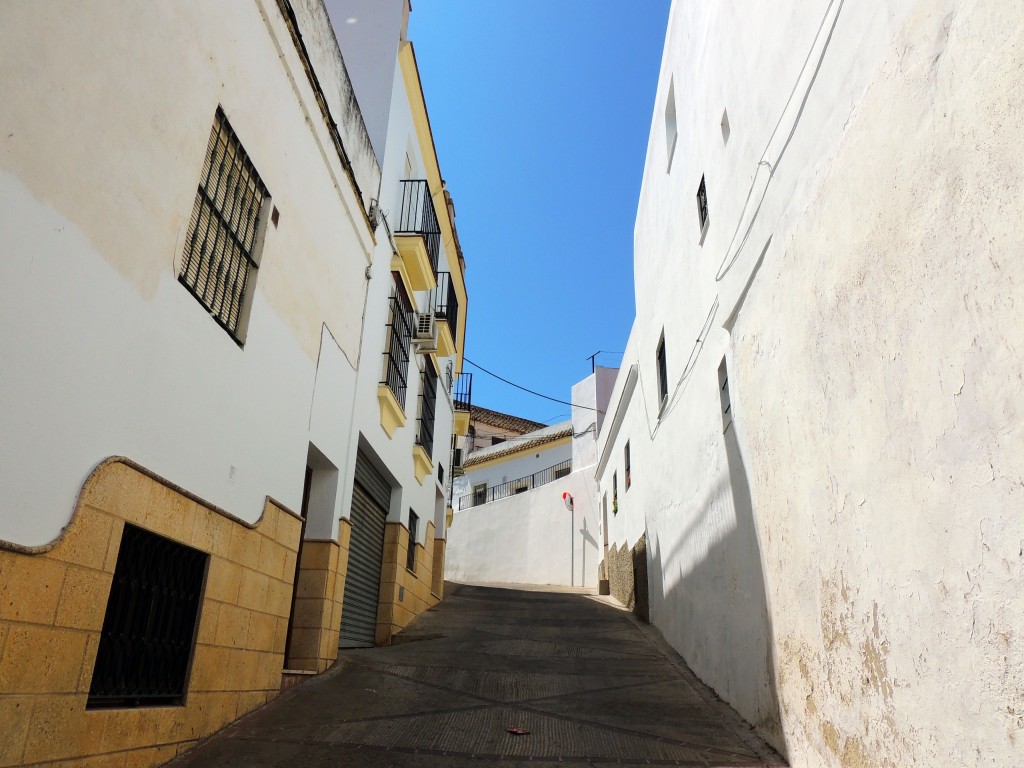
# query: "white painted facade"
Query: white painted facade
839,556
529,538
393,455
514,466
104,352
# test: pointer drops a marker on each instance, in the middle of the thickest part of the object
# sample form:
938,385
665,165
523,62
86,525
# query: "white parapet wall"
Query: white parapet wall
525,539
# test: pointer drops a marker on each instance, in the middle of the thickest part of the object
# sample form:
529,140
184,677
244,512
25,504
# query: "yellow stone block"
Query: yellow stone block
316,555
242,670
86,540
232,626
280,633
170,514
209,613
223,580
245,547
15,712
209,668
279,597
83,599
253,591
58,729
312,583
272,559
269,524
29,587
309,613
262,632
345,533
144,758
41,660
212,532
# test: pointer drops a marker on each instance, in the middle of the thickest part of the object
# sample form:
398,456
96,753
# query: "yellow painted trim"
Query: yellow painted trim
449,518
391,414
398,265
462,423
413,251
422,465
519,452
445,342
418,105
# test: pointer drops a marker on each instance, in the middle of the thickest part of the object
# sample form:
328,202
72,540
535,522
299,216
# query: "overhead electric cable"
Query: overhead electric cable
538,394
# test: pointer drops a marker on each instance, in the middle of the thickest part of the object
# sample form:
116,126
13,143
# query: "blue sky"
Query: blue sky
540,111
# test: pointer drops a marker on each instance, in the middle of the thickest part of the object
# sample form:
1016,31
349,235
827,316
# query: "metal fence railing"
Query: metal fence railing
418,217
484,495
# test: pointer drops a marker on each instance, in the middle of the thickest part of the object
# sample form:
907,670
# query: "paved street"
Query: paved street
590,685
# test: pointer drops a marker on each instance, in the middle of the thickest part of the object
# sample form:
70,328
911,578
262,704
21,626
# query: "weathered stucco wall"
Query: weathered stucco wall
839,557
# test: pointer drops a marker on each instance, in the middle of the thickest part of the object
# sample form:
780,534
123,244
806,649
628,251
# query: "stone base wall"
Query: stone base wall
53,603
319,593
404,594
627,576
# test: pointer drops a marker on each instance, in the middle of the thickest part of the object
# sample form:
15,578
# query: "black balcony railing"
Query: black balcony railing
396,348
428,398
418,217
446,302
512,487
462,396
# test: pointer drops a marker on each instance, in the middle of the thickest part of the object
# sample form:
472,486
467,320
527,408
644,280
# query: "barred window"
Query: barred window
398,341
220,259
148,633
410,553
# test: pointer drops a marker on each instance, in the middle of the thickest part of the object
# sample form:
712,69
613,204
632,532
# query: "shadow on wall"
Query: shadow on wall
719,610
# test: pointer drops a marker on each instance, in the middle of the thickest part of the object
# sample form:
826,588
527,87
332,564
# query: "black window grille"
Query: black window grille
410,553
628,478
662,374
463,394
446,302
399,340
428,399
219,262
702,204
149,628
418,217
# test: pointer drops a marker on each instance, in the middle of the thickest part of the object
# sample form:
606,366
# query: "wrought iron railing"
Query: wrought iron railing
396,348
446,302
462,396
428,398
418,217
149,627
512,487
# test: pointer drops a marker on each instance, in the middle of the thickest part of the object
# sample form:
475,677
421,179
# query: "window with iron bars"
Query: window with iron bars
148,633
221,253
702,206
428,400
398,342
410,553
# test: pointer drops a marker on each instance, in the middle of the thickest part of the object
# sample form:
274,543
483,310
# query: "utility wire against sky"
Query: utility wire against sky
525,389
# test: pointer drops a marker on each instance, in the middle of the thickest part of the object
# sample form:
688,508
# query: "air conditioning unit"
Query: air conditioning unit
425,335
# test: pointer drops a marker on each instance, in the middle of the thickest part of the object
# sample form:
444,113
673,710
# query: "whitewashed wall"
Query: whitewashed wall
513,468
846,554
530,538
103,351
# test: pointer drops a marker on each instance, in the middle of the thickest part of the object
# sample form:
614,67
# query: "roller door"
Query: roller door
370,499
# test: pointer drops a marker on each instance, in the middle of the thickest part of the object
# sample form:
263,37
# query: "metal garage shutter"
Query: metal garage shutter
370,498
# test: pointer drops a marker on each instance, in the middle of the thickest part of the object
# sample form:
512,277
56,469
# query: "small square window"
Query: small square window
410,553
662,375
224,234
702,208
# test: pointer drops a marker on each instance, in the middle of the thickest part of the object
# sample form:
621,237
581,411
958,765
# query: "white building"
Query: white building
815,429
196,270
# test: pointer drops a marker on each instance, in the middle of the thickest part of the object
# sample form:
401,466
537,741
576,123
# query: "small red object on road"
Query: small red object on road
517,731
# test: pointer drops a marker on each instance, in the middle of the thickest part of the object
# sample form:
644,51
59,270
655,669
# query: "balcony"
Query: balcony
484,495
418,237
462,399
446,310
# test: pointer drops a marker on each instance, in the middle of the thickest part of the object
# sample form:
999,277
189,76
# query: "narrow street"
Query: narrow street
589,684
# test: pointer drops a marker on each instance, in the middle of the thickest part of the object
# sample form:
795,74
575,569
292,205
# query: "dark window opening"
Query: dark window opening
410,553
428,400
702,205
497,440
723,392
220,259
615,493
398,341
149,628
628,477
662,375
